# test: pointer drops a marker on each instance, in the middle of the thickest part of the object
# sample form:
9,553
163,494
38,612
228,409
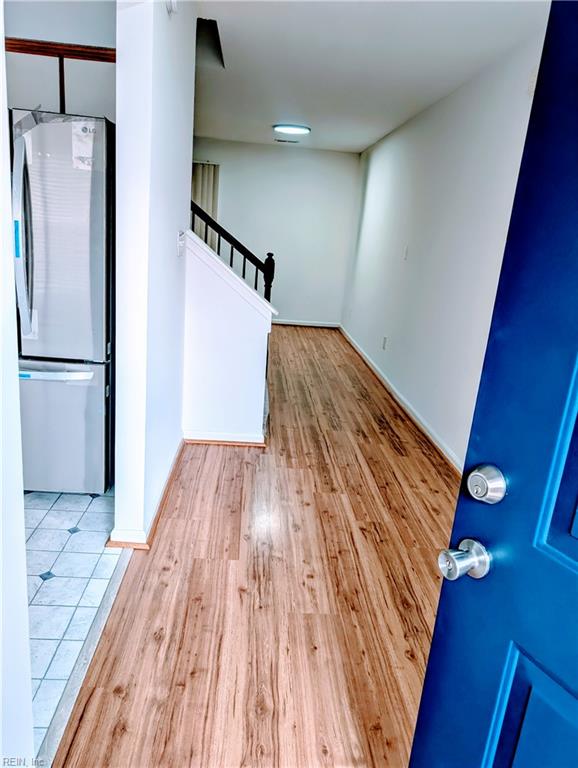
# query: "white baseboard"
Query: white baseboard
224,437
306,323
258,438
128,536
406,405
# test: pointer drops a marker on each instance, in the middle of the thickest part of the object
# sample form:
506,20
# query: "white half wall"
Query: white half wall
436,203
16,707
155,85
227,327
302,204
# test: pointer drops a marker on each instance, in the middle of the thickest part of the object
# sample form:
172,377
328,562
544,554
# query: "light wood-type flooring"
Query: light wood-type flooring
284,613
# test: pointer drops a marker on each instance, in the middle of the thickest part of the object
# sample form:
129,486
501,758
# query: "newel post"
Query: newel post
268,275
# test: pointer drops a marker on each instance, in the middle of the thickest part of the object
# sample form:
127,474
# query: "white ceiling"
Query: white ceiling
353,71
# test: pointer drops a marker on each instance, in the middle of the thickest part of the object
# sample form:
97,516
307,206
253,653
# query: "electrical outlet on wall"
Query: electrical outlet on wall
384,342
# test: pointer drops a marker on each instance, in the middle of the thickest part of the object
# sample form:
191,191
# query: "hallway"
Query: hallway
284,613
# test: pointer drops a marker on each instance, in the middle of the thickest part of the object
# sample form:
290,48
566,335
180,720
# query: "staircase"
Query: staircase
228,318
217,237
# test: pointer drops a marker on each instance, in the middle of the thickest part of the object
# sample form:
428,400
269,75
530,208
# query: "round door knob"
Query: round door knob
470,558
487,483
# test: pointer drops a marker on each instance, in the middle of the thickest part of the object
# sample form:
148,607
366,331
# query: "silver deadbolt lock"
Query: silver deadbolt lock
487,483
470,558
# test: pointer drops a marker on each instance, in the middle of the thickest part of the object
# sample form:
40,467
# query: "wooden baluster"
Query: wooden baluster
231,259
244,266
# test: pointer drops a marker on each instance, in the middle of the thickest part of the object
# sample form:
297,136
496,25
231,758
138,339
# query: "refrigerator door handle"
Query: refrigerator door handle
56,375
21,246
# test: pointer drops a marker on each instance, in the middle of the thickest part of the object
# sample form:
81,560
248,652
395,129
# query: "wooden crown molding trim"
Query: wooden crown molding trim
59,50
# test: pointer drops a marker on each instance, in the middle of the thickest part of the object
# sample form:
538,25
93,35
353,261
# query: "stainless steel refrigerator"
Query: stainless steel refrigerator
62,190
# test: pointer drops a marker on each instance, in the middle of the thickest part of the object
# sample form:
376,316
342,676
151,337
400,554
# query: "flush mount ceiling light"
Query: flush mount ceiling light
292,130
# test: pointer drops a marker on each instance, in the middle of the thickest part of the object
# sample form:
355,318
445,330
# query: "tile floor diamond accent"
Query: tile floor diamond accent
46,575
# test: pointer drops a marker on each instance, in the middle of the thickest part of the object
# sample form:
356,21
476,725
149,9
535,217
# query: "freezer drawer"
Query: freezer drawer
64,417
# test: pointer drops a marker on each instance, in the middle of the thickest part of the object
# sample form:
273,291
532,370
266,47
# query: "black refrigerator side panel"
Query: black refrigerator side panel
111,283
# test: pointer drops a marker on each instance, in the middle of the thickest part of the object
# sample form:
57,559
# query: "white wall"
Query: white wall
438,194
16,705
302,205
227,326
33,80
170,211
155,83
85,22
133,152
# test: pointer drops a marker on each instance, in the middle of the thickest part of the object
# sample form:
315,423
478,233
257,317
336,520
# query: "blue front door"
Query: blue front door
502,682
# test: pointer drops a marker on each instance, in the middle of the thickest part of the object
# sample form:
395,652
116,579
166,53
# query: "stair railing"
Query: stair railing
209,225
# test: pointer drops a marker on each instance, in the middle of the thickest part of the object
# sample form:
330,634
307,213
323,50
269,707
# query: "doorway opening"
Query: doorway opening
63,199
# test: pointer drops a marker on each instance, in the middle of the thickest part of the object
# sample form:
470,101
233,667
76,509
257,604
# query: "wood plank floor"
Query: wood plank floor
283,615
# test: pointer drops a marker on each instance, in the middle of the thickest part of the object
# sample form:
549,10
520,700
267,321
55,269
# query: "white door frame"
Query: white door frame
16,726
